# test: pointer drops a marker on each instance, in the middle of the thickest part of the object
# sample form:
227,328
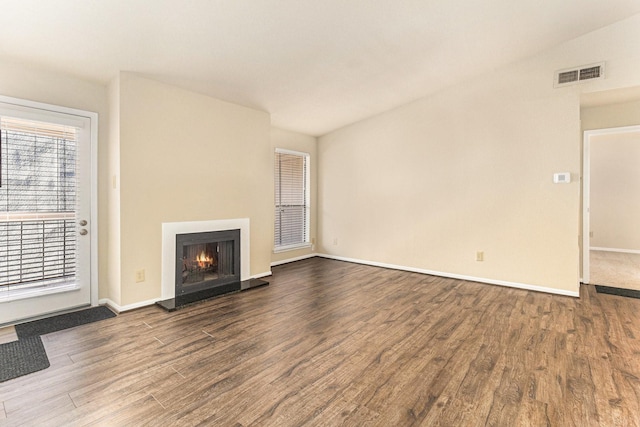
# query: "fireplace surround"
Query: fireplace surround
203,259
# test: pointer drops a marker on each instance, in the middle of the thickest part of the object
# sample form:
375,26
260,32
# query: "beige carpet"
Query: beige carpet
619,270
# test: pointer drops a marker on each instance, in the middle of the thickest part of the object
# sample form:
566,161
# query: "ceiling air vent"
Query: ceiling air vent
579,74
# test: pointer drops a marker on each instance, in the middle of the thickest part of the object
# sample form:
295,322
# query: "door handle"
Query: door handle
83,232
83,222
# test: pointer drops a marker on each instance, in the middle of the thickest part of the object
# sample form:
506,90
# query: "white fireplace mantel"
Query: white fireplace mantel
169,231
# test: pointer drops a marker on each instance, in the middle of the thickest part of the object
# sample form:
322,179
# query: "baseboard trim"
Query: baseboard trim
623,251
524,286
298,258
261,275
120,309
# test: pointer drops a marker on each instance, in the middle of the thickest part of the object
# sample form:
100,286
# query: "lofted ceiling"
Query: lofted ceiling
315,65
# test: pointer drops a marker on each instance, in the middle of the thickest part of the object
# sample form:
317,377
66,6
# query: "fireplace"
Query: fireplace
204,259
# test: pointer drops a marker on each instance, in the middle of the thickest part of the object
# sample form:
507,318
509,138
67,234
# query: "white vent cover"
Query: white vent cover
581,74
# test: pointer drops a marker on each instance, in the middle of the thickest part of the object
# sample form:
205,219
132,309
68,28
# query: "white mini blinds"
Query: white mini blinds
291,200
37,203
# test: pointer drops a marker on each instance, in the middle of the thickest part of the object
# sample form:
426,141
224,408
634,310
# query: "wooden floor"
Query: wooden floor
331,343
8,334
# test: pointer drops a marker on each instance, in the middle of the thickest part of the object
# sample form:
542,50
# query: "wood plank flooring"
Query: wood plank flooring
8,334
330,343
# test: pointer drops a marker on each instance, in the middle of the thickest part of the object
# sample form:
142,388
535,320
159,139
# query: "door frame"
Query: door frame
93,148
586,188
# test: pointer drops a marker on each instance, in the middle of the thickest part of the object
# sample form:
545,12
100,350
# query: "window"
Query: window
37,203
291,200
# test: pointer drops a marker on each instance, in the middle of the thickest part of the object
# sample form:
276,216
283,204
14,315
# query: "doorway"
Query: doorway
47,209
611,234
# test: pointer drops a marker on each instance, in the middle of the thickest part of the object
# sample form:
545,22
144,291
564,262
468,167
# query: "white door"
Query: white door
46,216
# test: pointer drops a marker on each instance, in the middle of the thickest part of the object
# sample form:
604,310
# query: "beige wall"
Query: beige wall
612,115
470,169
26,82
187,157
307,144
615,191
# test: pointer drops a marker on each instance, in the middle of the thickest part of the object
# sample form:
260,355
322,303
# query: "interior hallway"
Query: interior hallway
616,269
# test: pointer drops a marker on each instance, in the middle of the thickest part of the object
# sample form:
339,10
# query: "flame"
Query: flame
203,260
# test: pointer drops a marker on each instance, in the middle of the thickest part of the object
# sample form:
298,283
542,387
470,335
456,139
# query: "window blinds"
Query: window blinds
37,203
291,199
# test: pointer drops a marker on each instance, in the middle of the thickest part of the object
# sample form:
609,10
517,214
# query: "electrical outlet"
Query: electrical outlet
335,241
139,276
479,256
591,234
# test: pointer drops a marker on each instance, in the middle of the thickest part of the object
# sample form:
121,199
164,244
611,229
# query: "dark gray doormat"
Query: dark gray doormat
617,291
63,321
22,357
27,355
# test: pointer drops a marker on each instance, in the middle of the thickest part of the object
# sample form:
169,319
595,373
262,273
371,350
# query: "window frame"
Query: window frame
306,243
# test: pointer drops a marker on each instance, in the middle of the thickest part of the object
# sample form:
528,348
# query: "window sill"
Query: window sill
291,247
7,295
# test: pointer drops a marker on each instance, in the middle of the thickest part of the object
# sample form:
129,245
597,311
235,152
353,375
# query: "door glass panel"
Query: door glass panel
37,206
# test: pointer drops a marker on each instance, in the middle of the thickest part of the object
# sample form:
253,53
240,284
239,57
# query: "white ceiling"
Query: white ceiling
315,65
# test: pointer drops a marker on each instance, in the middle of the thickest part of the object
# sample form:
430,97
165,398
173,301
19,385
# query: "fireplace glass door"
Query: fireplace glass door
206,260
